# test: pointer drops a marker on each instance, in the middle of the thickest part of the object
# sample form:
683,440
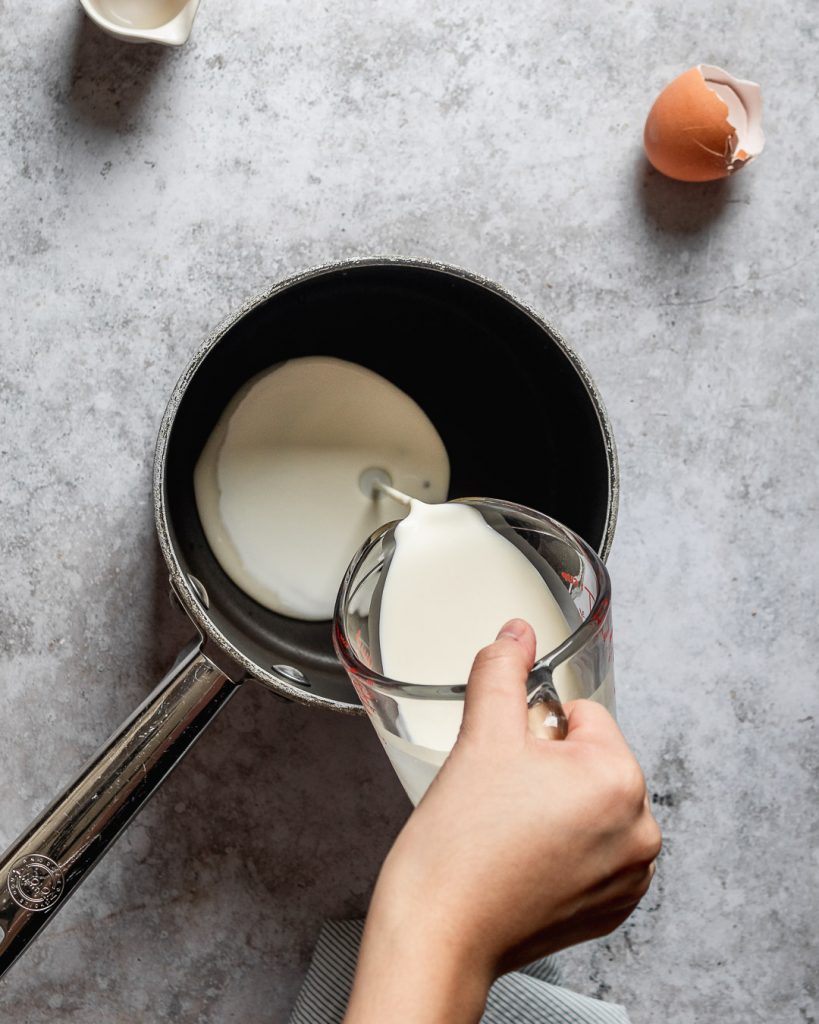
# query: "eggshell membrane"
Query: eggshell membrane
687,134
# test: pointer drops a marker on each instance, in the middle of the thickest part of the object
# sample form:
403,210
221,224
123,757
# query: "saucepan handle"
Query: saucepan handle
43,867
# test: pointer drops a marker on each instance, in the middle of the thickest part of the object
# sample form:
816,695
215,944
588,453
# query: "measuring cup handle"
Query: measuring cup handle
43,867
547,719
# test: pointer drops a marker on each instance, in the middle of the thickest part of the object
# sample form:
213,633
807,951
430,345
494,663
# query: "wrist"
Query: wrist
413,967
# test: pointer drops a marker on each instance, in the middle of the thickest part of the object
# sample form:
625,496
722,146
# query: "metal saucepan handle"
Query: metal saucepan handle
43,867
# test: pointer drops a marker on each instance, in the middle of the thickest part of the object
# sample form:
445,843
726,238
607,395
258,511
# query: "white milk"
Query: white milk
416,766
277,484
451,584
141,13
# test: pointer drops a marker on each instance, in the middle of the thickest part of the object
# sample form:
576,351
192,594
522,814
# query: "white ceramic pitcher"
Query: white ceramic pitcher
167,22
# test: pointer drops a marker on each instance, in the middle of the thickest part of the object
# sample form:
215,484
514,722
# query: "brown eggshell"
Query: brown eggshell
687,134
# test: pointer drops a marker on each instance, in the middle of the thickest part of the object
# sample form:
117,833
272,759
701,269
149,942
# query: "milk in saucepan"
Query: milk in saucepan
277,483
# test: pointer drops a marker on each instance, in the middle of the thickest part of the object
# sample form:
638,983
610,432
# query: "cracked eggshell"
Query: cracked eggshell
704,125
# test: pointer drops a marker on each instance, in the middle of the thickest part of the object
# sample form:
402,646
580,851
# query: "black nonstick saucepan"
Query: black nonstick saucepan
520,418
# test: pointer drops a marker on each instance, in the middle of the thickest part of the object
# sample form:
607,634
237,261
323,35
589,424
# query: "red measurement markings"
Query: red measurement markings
601,612
575,582
363,650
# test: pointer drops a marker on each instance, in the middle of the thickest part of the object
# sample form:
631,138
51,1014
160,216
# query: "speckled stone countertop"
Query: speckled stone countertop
148,192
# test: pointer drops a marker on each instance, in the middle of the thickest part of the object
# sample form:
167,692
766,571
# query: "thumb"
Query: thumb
495,706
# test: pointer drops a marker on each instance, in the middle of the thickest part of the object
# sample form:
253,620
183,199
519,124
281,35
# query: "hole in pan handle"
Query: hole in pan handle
49,860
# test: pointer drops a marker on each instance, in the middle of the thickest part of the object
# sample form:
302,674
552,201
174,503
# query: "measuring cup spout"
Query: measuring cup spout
49,860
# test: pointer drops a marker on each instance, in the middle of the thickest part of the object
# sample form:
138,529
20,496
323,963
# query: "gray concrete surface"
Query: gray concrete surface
146,193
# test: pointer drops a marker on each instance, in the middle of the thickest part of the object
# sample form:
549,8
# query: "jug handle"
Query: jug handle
48,861
547,719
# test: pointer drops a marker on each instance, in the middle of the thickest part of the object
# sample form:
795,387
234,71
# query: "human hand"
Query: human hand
520,847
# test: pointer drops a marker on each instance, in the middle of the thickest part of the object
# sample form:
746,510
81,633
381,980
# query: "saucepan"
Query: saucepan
520,417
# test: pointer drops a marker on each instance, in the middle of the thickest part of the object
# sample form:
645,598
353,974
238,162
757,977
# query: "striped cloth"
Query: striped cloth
530,996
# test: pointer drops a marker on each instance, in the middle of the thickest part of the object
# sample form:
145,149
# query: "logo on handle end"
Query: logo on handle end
36,882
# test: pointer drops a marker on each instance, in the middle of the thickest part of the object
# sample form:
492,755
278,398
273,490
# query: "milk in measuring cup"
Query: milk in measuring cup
451,584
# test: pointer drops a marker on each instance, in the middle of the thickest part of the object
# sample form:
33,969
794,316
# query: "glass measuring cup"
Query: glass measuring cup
418,723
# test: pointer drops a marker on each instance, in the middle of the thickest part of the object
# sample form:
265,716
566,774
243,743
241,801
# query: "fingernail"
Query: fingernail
514,629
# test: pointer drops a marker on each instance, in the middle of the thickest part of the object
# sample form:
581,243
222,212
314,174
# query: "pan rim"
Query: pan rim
182,585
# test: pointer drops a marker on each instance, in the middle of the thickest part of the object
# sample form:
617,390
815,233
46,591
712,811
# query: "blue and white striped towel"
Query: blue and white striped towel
530,996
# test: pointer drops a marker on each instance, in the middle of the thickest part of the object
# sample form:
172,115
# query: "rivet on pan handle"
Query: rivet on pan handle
40,871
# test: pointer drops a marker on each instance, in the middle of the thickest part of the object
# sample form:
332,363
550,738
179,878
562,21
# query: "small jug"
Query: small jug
167,22
418,722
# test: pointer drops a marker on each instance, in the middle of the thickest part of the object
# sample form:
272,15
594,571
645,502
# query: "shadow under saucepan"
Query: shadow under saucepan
279,817
110,79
